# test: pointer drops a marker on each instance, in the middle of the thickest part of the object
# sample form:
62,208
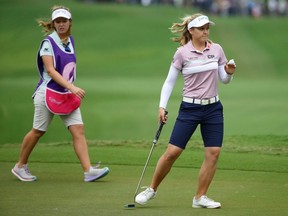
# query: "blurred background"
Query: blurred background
254,8
123,55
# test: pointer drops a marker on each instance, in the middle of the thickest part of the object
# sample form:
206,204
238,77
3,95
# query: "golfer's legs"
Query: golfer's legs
207,170
164,165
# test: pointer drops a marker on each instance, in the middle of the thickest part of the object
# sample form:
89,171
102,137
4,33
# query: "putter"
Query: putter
132,205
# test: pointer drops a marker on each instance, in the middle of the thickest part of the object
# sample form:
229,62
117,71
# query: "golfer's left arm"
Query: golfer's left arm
226,72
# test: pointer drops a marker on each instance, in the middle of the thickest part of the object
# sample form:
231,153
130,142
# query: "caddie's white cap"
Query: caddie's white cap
61,13
199,21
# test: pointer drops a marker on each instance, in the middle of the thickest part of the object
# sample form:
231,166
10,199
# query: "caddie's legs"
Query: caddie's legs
28,144
80,145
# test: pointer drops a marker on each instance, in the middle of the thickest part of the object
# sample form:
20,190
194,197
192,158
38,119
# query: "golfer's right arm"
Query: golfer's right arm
166,91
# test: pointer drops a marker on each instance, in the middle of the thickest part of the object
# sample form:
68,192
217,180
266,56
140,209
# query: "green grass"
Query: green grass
246,180
62,192
128,110
250,150
123,55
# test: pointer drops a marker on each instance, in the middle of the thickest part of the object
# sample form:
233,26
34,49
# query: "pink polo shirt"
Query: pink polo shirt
199,69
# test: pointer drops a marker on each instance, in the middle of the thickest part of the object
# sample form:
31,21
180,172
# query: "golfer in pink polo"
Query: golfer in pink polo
201,63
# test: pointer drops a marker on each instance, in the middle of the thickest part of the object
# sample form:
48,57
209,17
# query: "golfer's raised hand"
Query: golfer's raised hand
78,91
230,68
162,117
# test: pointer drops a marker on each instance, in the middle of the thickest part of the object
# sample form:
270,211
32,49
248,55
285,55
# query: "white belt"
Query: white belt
201,101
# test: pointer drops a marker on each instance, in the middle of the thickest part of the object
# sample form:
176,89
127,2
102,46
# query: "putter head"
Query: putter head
130,206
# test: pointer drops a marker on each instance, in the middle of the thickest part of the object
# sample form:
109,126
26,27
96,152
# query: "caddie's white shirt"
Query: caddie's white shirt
47,49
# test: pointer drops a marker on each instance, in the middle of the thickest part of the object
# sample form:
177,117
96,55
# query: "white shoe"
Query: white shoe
205,202
23,173
143,197
95,174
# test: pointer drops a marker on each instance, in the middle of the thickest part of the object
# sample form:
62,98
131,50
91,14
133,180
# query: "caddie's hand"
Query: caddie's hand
78,91
161,116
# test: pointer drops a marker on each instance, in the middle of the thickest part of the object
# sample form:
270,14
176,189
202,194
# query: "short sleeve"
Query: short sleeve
177,61
222,57
46,49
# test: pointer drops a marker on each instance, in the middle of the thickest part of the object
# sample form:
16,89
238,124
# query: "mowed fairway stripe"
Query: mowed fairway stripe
61,191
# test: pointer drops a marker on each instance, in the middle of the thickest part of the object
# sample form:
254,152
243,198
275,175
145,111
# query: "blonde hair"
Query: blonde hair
48,24
182,30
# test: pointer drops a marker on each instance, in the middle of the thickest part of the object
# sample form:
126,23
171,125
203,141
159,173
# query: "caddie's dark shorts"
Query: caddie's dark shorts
210,118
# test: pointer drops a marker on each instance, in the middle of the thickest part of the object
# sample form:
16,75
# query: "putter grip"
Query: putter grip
160,129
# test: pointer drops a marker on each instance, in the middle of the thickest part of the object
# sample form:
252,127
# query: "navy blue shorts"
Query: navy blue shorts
210,118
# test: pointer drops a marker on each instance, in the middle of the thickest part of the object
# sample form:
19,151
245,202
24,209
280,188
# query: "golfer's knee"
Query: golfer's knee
212,155
172,153
170,156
